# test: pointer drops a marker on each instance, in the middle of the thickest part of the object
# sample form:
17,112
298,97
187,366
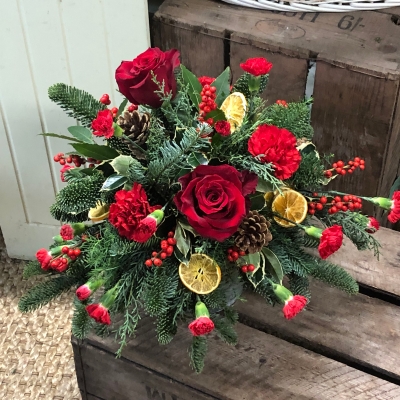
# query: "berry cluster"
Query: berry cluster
282,103
208,96
77,160
167,249
114,111
345,203
342,169
234,253
132,107
105,99
73,254
247,268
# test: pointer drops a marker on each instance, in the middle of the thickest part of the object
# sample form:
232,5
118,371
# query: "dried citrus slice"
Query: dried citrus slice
100,212
290,205
201,275
234,108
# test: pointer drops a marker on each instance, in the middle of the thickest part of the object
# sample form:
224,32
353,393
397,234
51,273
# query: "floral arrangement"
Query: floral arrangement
199,189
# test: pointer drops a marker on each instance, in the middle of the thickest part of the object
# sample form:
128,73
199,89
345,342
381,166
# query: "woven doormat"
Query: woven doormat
36,360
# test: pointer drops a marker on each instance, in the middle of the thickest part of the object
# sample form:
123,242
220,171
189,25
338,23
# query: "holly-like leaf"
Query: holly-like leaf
256,276
81,133
182,240
194,85
216,115
121,164
222,83
264,186
121,107
60,137
273,265
95,151
185,225
114,182
196,159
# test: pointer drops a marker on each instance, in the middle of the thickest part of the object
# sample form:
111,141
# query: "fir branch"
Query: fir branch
299,285
137,172
33,268
44,292
225,331
166,327
310,173
76,103
81,322
197,353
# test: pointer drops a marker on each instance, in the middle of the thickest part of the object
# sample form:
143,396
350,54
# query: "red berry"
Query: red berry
250,267
157,262
148,263
242,253
213,89
357,159
56,158
204,99
65,250
114,110
230,258
323,200
311,205
358,205
334,165
356,164
334,209
62,161
319,206
72,257
132,107
169,250
206,87
328,174
154,253
315,194
207,93
344,208
235,255
340,164
337,198
362,166
69,159
207,109
346,198
163,255
210,121
164,244
330,211
351,206
339,170
64,260
362,162
351,162
339,204
171,241
77,252
202,105
350,171
245,269
171,234
91,165
77,164
71,252
343,172
312,212
230,251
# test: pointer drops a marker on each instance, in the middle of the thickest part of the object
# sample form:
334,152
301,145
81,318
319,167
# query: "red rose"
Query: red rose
103,124
223,128
293,306
372,226
213,198
130,208
201,326
66,232
394,214
277,146
63,169
205,80
83,292
99,313
44,257
135,78
331,240
256,66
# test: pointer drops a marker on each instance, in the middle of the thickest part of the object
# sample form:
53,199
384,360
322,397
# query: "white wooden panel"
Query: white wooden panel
43,42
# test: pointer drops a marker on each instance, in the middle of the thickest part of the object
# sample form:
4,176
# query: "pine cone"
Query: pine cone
136,127
253,233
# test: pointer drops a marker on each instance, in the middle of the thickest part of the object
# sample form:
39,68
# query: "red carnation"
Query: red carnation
331,240
223,128
256,66
394,214
202,324
277,146
129,209
206,80
293,306
99,313
63,169
147,227
44,257
66,232
83,292
103,124
372,226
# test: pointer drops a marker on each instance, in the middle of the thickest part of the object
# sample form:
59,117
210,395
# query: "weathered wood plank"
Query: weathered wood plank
261,366
78,365
356,329
287,77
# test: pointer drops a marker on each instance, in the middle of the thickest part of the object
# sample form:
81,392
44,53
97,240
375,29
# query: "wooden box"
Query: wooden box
356,83
339,348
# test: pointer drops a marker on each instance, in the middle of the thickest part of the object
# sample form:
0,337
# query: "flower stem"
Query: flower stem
134,144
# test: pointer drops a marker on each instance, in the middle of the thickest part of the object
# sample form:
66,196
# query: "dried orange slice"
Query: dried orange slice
234,108
290,205
99,213
201,275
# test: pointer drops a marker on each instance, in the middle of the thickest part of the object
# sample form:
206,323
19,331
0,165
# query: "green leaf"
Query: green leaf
121,107
216,115
121,164
273,265
95,151
114,182
182,240
185,225
81,133
194,85
257,201
223,86
255,277
196,159
396,186
60,137
264,186
183,171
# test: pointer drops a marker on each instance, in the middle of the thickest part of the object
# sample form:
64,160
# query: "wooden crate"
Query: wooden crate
357,74
340,347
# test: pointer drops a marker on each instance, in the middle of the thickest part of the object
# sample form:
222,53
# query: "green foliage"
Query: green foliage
310,173
242,84
76,103
225,330
33,268
119,145
299,285
197,353
166,327
136,173
81,322
60,215
46,291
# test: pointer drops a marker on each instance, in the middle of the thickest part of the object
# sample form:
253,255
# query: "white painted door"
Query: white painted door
42,42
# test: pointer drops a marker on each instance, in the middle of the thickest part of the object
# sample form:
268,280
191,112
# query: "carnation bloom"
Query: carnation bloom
372,225
293,304
66,232
44,257
99,313
277,146
223,128
147,227
331,239
62,171
392,205
103,124
206,80
202,324
83,292
256,66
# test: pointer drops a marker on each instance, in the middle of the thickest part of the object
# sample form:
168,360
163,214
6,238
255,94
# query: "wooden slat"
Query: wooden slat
287,77
382,274
356,329
260,367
